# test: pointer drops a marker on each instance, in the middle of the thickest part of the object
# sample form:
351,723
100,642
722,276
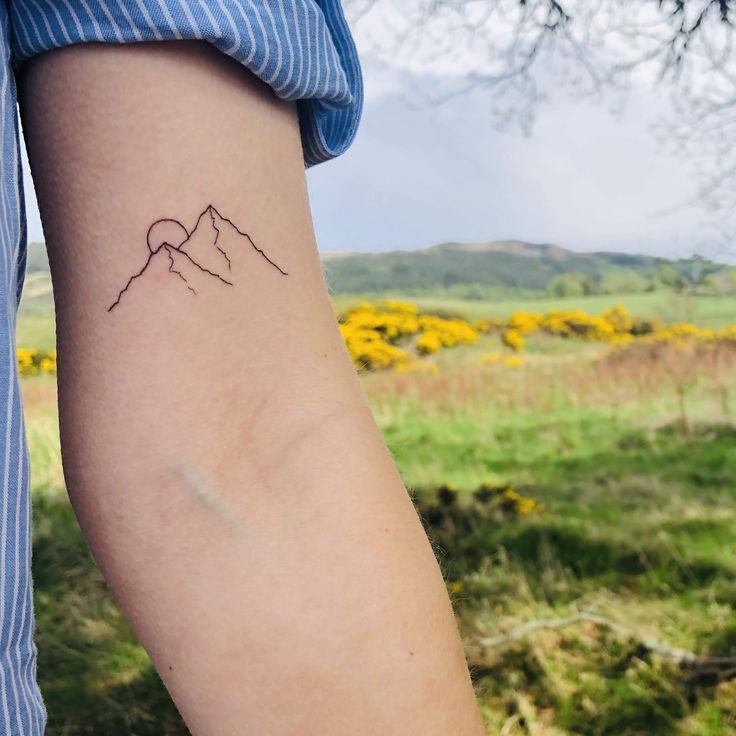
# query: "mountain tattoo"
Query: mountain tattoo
208,255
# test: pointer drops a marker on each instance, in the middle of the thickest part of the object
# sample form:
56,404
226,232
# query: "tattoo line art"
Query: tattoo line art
172,237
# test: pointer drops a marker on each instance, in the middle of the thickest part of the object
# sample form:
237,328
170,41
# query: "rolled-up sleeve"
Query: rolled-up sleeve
303,49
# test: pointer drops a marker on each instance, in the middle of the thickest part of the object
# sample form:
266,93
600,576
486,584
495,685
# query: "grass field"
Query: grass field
606,608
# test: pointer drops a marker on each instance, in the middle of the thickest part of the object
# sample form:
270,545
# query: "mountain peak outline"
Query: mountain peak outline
196,257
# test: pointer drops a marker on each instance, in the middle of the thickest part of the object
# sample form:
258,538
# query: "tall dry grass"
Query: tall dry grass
633,375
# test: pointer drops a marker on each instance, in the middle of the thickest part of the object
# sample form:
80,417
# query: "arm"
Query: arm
217,448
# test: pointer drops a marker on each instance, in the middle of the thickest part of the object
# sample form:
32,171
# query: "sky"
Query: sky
586,177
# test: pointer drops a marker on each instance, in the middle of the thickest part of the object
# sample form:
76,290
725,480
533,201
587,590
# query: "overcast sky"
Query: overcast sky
585,178
422,174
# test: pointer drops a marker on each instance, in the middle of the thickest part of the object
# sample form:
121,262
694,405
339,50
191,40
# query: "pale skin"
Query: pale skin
218,450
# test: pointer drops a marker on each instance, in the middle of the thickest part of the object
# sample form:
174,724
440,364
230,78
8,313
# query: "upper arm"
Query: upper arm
219,453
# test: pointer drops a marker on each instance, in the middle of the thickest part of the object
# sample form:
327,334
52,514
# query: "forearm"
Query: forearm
217,448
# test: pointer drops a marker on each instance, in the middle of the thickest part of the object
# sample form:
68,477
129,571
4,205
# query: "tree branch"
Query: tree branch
724,668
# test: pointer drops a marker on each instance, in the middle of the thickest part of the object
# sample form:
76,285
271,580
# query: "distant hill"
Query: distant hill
496,268
507,264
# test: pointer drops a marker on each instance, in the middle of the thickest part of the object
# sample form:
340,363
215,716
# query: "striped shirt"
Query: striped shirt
301,48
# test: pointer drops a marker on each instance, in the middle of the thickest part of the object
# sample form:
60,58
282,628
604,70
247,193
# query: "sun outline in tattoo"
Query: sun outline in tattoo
173,235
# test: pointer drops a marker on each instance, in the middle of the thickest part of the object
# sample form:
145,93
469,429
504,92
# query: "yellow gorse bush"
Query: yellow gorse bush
525,323
503,498
429,343
513,339
448,332
572,323
615,326
394,334
32,362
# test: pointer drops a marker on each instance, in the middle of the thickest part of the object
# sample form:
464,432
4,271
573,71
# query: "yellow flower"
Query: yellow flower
525,322
31,361
513,339
380,335
429,343
522,505
514,361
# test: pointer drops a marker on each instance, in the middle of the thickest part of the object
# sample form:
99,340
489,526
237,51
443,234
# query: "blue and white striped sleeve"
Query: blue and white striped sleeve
302,48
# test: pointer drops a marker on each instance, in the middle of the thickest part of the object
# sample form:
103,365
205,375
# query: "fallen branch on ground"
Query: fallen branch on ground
705,669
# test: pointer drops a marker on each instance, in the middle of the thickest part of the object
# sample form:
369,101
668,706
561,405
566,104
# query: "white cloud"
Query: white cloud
585,178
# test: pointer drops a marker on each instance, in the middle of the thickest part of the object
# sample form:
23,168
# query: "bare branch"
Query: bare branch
516,50
722,668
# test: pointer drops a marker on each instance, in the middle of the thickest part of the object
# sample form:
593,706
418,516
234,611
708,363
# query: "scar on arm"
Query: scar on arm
206,496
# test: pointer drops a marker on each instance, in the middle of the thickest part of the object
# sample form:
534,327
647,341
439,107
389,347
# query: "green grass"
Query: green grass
95,677
36,331
639,530
36,324
638,525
